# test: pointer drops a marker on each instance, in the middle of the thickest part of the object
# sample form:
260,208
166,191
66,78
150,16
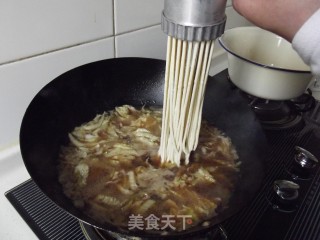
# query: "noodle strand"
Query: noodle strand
186,76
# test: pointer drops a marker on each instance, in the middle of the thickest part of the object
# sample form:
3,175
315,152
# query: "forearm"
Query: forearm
296,20
283,17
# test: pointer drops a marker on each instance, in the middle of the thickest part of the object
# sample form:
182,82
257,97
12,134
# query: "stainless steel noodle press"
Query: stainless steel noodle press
194,20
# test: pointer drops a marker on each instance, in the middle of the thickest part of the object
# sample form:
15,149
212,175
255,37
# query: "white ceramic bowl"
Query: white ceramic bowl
264,64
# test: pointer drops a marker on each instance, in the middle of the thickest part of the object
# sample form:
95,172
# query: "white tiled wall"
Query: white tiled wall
40,40
147,42
31,27
132,15
21,80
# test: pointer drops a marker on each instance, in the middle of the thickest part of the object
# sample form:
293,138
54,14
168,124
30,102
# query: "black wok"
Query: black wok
79,94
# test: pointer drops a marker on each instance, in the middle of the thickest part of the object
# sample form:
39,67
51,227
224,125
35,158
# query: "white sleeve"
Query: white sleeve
307,42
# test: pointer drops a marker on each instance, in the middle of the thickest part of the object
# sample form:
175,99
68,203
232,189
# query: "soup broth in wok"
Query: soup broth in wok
112,171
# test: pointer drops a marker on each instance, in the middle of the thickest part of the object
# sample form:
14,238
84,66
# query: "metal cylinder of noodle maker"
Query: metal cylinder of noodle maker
194,20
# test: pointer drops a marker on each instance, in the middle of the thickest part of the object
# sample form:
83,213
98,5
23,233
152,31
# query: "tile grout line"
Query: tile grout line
8,151
138,29
114,29
56,50
75,45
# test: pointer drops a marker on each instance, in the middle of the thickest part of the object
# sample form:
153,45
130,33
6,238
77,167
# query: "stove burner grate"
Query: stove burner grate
275,115
278,115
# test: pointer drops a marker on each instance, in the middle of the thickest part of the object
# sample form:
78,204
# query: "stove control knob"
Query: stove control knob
286,190
303,165
285,196
304,158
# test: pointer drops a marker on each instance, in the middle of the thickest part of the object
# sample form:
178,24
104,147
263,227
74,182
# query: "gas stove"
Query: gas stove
286,207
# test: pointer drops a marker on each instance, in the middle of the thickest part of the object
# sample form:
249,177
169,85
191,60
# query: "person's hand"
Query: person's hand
283,17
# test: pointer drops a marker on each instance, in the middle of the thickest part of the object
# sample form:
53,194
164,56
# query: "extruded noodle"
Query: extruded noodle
187,69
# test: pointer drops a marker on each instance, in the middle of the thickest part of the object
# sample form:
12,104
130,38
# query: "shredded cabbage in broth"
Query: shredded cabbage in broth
111,170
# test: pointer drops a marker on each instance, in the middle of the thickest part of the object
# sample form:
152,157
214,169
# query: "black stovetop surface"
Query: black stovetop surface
259,220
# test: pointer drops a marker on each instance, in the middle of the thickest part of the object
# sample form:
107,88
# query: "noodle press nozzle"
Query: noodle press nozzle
194,20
